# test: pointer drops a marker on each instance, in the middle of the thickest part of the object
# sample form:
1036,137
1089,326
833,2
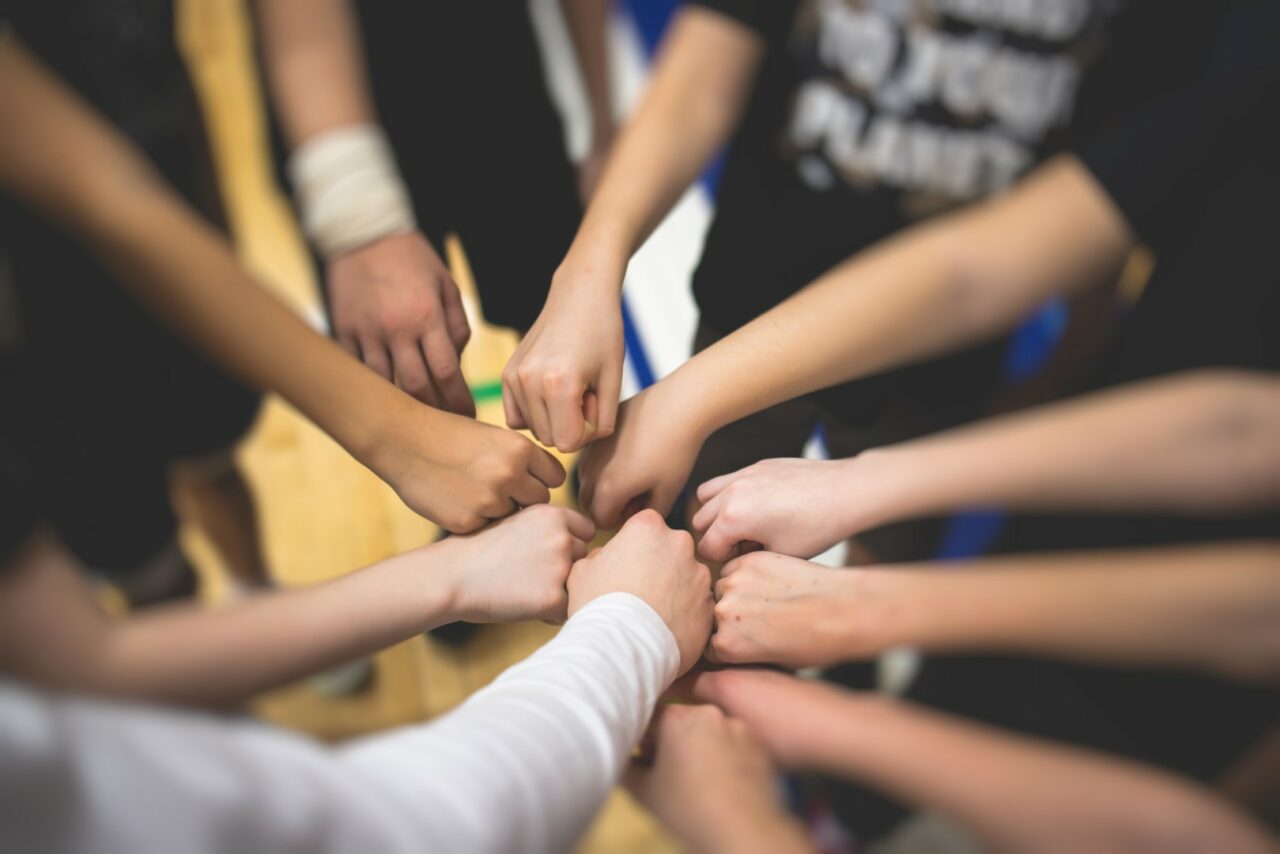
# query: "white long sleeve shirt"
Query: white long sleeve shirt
521,766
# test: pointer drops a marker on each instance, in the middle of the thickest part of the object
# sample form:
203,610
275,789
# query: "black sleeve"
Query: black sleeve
769,18
1162,164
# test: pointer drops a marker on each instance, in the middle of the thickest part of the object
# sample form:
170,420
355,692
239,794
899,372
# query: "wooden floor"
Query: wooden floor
323,514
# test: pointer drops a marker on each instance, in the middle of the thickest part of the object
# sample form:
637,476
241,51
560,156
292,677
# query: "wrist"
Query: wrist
861,613
876,488
377,442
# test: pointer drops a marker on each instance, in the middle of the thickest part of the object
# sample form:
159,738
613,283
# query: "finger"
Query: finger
606,507
539,419
442,360
718,541
664,498
579,525
565,412
455,314
578,550
713,487
607,393
636,780
710,654
529,491
374,354
586,481
351,345
732,565
546,468
708,512
411,372
591,413
513,404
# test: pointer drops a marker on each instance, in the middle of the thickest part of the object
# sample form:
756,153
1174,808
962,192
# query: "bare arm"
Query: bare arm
60,158
52,632
1016,793
588,23
935,288
561,382
394,303
1210,608
1199,442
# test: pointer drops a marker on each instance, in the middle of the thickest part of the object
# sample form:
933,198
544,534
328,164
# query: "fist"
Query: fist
649,560
773,609
516,569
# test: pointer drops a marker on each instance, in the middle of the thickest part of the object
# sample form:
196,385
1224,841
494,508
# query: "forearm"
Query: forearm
588,23
63,160
1201,442
1212,608
213,657
697,92
219,657
542,746
937,287
314,65
1017,793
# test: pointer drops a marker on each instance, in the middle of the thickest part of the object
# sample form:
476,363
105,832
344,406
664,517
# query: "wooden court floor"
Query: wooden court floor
323,514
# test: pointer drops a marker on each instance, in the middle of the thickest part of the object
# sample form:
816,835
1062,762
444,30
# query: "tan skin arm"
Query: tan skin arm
394,303
564,379
935,288
59,157
588,23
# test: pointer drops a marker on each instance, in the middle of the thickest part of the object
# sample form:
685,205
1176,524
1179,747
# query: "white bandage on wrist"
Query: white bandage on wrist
349,189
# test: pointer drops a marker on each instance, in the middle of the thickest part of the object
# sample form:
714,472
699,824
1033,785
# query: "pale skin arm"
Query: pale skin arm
1201,442
54,633
1015,793
60,158
395,304
935,288
1212,608
588,23
564,380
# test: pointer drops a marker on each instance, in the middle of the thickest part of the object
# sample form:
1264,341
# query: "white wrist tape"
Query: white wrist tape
349,189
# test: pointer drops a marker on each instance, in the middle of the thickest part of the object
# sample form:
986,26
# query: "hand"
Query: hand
712,785
564,379
649,560
644,464
773,609
459,473
515,569
789,506
793,719
397,309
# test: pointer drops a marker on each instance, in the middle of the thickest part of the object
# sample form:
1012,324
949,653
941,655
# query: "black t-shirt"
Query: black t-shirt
867,117
1196,177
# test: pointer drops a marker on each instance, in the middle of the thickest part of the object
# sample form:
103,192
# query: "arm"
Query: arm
1209,608
522,765
1016,793
937,287
394,303
52,632
58,157
562,383
1200,442
713,787
588,22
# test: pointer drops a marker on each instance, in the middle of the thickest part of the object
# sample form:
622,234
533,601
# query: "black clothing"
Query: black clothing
460,90
111,397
